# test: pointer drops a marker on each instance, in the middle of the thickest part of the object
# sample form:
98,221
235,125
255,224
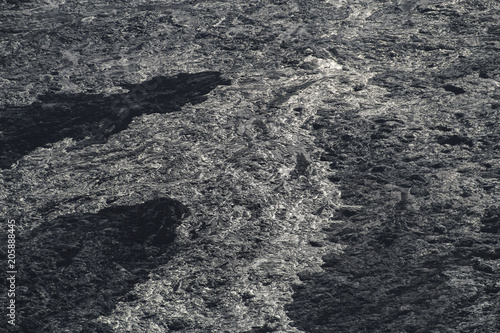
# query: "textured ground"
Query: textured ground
253,166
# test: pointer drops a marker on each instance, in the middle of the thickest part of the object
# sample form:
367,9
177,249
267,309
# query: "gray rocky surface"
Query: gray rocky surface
252,166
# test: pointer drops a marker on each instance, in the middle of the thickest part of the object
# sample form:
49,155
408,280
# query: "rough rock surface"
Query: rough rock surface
252,166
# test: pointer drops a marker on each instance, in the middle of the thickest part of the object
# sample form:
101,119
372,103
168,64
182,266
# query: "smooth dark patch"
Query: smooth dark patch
455,140
454,89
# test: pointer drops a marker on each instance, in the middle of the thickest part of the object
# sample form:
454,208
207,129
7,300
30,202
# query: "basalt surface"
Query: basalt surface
257,166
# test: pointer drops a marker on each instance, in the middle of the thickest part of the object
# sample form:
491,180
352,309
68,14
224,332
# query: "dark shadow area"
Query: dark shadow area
386,282
96,117
410,266
370,288
491,221
77,267
454,89
455,140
